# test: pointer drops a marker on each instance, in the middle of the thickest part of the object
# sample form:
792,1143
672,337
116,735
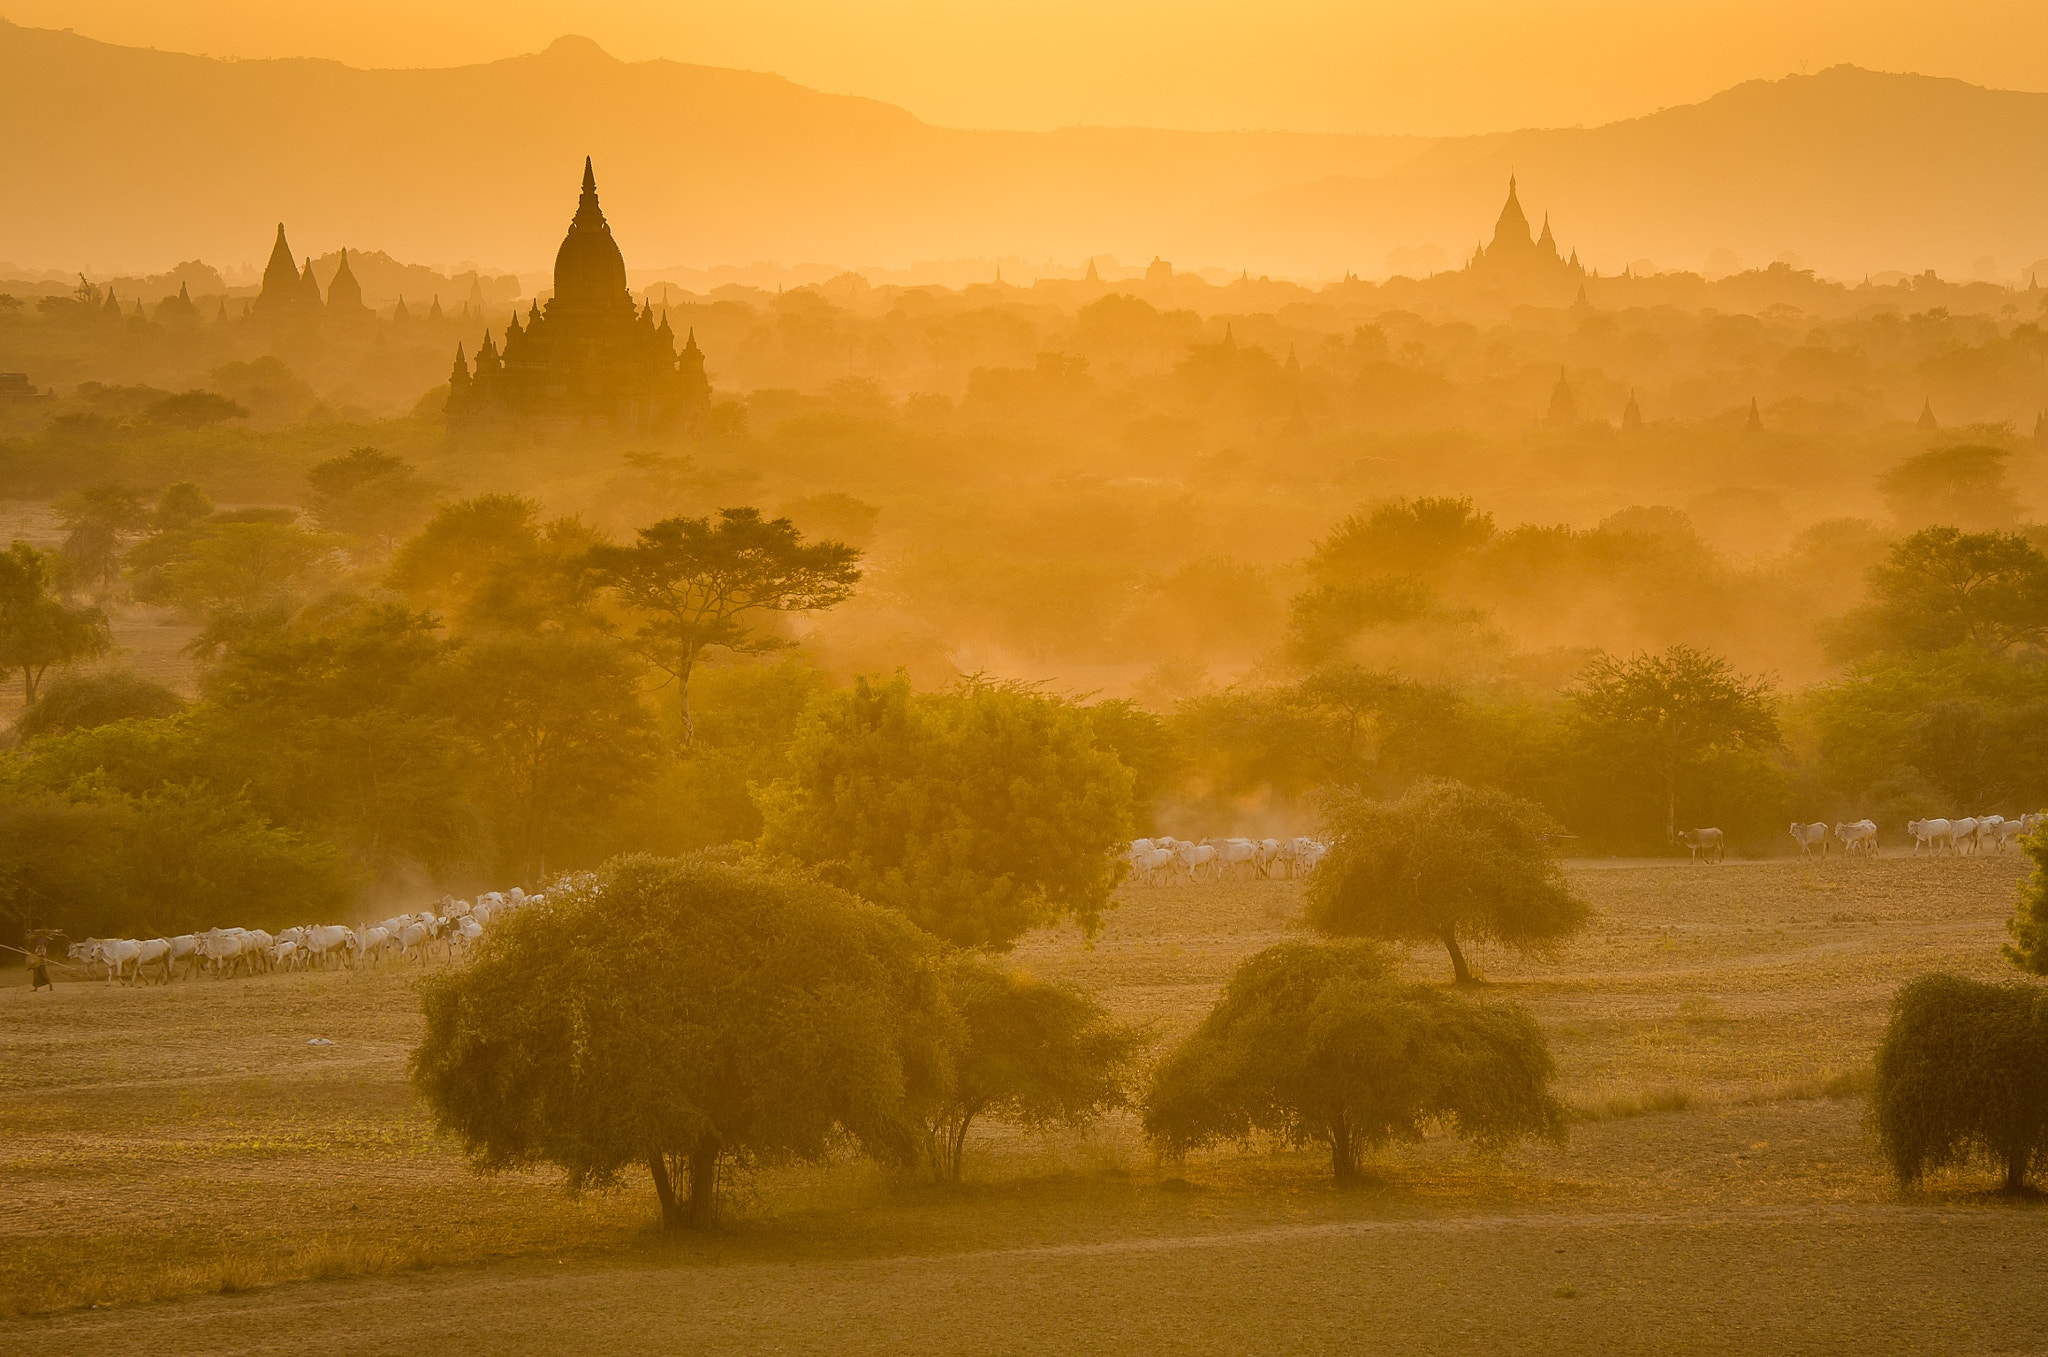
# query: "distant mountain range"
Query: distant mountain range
119,158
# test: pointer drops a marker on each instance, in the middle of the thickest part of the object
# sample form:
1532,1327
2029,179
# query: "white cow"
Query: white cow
1962,832
1147,866
1811,838
155,952
121,956
1860,837
2007,831
326,942
1194,857
1709,844
1930,834
1232,853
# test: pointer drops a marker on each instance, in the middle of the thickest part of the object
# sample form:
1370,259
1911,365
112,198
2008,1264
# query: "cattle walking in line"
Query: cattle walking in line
1860,837
1162,858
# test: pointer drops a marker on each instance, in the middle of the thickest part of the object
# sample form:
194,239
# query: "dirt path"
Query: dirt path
1871,1279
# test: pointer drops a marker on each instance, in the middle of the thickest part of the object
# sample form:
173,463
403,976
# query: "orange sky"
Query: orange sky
1446,66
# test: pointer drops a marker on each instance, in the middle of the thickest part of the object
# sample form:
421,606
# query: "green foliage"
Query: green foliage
1660,719
1319,1044
1964,486
747,717
1344,725
1029,1052
342,728
1942,587
96,520
37,629
1962,1075
80,701
686,1017
1443,860
369,495
2028,925
1967,726
1405,537
175,860
564,738
236,577
490,564
700,585
981,813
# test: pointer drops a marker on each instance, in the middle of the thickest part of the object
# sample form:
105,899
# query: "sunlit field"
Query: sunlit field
170,1148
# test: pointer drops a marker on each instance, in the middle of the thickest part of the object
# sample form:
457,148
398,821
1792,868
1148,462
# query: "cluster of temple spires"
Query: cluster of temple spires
289,291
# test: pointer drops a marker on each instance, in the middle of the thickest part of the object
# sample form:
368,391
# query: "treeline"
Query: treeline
399,692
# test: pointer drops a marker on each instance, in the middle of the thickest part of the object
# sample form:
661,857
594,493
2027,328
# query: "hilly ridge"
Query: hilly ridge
123,157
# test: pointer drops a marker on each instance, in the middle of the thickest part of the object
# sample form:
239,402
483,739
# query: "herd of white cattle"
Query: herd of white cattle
225,952
1163,859
1969,834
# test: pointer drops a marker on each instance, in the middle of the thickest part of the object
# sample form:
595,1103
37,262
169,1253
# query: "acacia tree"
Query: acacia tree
1316,1043
1962,1074
981,813
688,1018
1443,860
1666,715
700,584
1029,1052
37,630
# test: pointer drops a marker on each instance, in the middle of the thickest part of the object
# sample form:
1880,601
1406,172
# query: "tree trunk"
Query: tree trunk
1343,1154
1670,806
2016,1171
665,1189
956,1149
683,693
1460,972
702,1208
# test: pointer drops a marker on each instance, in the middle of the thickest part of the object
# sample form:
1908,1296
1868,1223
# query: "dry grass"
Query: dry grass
1713,1029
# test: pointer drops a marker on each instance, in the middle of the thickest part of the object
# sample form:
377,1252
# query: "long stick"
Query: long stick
47,960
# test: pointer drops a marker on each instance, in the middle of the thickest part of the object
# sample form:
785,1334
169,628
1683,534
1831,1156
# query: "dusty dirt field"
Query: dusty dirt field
181,1157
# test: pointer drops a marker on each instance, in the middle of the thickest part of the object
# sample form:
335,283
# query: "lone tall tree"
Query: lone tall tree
1443,860
1665,715
701,584
37,630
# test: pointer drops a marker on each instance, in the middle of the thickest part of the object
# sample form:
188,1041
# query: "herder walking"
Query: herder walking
39,968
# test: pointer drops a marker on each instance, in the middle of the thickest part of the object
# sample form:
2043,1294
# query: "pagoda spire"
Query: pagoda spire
280,277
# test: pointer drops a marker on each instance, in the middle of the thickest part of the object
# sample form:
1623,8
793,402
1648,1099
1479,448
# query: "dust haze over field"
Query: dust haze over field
804,677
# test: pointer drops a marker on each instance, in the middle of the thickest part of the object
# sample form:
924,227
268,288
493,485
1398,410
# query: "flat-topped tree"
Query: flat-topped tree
702,583
1444,860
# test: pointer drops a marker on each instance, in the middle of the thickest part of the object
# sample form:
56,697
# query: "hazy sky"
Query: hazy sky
1444,66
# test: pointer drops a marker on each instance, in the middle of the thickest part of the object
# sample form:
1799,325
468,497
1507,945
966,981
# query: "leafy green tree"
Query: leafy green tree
491,564
1663,717
1962,1075
1942,587
80,701
338,725
1031,1053
981,813
768,1017
369,495
564,735
180,506
2028,925
37,630
1963,486
700,585
97,521
1443,860
238,577
193,410
1317,1043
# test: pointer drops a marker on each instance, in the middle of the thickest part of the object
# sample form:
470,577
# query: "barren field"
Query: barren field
180,1158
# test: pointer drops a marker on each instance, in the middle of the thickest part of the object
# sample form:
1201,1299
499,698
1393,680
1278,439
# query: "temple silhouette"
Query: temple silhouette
588,356
1515,257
